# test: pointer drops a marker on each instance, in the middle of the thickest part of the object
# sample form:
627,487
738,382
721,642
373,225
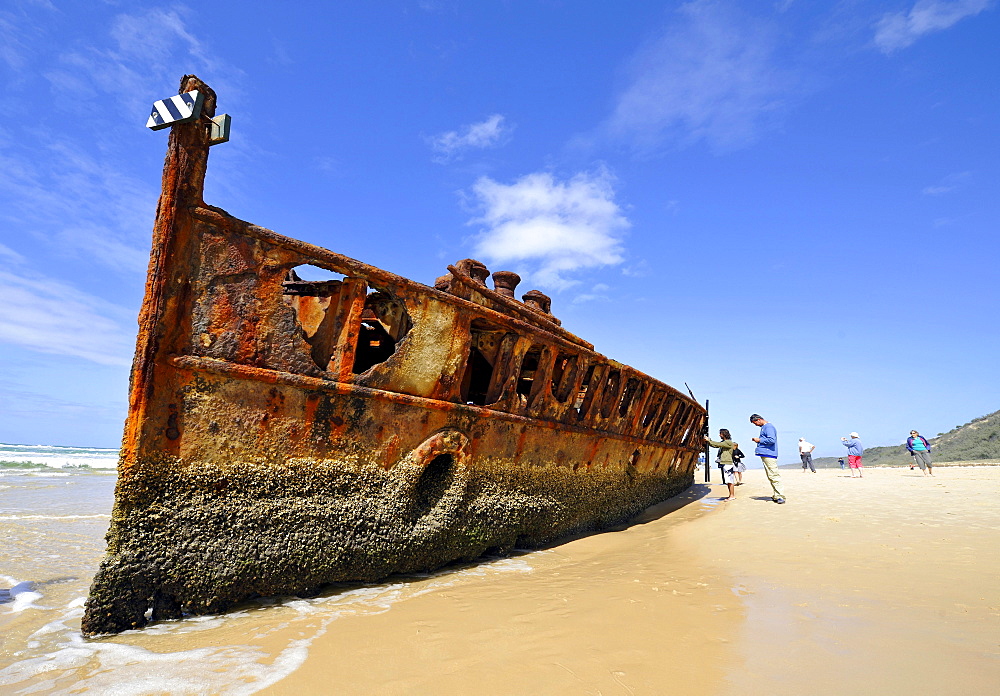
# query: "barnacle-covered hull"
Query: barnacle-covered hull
285,434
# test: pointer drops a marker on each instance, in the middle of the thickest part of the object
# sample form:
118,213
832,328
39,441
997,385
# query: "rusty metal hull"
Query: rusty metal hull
286,434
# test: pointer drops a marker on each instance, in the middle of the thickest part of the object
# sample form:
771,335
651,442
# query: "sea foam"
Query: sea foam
58,457
65,660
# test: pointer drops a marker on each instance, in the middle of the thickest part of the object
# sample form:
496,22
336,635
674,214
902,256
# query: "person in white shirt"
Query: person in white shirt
805,454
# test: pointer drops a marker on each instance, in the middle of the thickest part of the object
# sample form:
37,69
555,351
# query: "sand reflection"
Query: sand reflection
617,612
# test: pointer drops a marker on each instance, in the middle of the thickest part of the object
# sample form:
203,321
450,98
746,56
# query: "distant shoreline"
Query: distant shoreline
64,447
967,462
22,458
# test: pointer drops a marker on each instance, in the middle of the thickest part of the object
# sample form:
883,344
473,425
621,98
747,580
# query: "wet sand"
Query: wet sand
887,584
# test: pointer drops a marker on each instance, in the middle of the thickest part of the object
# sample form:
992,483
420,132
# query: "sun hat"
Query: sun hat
855,435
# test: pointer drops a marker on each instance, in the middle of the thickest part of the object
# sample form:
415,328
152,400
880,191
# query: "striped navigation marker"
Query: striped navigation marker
177,109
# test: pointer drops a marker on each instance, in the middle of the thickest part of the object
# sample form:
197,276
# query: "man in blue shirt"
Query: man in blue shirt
767,450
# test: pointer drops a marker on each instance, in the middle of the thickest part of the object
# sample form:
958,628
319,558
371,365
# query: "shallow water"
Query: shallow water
53,522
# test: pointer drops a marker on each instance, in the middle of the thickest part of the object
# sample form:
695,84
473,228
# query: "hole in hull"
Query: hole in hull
563,374
581,396
529,366
326,304
434,482
384,323
485,349
479,373
610,393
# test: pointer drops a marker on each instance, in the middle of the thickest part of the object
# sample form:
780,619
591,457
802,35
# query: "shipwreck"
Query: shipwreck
284,434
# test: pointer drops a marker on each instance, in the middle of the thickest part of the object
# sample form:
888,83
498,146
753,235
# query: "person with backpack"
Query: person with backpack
726,448
920,450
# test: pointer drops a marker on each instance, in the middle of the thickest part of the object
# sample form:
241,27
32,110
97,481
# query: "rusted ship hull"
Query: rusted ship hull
286,434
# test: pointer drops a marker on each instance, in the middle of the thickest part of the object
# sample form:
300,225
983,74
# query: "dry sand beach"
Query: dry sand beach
882,585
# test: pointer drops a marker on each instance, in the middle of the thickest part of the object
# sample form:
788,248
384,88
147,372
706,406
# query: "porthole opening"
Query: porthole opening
563,375
628,395
581,395
484,347
610,393
529,366
652,409
479,374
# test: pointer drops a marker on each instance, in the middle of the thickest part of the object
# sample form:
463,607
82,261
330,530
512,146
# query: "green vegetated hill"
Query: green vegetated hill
978,439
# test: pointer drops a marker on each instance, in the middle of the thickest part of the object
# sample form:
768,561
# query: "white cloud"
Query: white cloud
9,254
12,48
75,182
551,228
78,183
452,144
712,76
597,293
330,166
51,317
639,269
72,200
19,404
900,29
21,35
153,34
947,184
149,51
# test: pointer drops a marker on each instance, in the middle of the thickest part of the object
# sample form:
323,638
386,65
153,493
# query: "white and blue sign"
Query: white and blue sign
179,109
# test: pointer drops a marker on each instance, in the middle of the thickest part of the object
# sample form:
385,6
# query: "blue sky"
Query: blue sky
790,206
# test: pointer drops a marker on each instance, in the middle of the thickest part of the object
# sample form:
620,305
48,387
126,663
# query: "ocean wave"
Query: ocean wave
58,448
33,464
20,596
57,457
54,517
64,659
